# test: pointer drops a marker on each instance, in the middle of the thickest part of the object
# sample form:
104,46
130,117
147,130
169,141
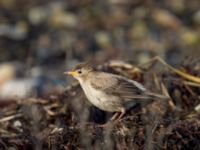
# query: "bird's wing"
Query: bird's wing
118,86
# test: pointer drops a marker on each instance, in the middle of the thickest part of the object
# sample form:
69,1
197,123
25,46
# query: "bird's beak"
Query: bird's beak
72,73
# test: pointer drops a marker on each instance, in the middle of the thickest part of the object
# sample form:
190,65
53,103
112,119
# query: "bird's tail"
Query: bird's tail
159,96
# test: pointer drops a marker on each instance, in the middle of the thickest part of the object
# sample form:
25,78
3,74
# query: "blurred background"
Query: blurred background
39,40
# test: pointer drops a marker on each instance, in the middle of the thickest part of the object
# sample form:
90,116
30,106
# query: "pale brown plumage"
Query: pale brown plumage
111,92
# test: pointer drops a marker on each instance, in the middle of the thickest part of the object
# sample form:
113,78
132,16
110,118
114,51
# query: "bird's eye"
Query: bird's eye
79,71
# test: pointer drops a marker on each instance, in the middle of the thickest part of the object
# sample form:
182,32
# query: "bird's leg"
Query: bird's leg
123,111
115,116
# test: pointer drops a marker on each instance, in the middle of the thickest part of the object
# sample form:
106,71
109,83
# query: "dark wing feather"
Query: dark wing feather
118,86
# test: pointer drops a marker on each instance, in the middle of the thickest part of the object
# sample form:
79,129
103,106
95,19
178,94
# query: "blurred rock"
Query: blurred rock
37,15
103,39
140,12
60,17
143,58
166,19
7,3
18,89
138,30
7,72
177,5
123,2
190,37
196,17
17,32
63,19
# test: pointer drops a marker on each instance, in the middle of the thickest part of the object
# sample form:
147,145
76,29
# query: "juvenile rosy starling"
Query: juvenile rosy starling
110,92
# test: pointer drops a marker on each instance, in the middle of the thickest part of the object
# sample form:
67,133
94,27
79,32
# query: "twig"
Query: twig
164,90
181,73
10,117
191,83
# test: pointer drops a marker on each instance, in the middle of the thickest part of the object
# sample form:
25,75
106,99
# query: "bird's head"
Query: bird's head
80,71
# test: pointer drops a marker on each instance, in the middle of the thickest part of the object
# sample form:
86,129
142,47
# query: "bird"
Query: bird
110,92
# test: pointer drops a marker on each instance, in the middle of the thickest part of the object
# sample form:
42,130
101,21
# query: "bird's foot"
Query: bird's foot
118,115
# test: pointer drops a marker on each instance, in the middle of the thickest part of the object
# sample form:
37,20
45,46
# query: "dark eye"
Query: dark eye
79,71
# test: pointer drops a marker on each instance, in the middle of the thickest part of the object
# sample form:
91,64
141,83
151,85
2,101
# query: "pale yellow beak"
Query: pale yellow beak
72,73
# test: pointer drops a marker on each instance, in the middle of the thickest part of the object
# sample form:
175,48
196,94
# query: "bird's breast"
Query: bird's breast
100,99
93,95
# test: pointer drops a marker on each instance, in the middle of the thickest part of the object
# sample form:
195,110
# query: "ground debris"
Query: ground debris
67,121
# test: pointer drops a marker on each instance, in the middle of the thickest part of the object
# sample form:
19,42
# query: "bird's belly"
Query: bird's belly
102,100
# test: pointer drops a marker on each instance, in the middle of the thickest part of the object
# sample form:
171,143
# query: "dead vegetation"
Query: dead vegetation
66,120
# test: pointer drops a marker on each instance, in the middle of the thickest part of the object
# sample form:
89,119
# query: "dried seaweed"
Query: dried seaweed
68,121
